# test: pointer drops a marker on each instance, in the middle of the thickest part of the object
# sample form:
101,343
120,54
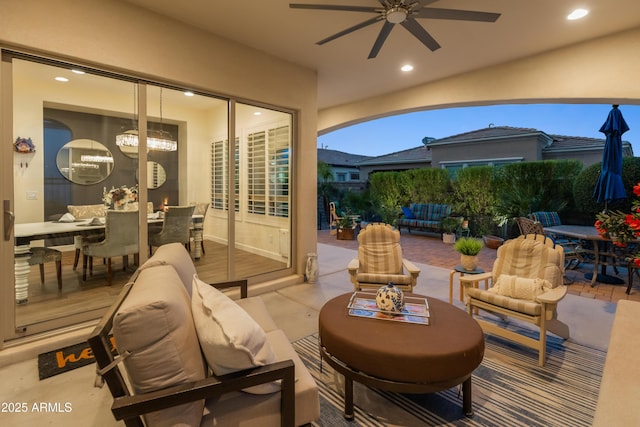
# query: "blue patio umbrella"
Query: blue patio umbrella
610,187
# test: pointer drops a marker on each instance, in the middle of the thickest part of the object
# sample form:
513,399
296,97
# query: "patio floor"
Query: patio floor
428,248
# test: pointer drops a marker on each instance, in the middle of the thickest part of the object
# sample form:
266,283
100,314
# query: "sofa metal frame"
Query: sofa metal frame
130,408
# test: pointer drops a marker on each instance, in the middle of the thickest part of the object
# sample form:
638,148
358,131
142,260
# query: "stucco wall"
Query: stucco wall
127,39
604,70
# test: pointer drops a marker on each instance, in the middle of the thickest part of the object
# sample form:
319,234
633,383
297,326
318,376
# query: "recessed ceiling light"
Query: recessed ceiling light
406,68
62,79
76,71
257,113
188,93
577,14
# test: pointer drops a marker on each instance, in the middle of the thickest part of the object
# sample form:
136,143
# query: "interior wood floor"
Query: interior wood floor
94,295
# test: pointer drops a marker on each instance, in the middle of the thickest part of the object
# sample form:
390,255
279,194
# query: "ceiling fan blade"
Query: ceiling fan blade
334,7
350,30
459,15
420,33
382,37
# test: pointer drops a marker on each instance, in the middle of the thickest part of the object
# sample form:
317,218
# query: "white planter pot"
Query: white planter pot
449,238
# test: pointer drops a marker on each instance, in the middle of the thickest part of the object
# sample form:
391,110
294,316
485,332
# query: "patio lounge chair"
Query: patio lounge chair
527,284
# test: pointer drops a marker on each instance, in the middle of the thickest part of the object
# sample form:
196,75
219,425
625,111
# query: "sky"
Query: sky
401,132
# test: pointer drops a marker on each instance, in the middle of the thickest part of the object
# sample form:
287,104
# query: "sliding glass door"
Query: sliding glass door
91,148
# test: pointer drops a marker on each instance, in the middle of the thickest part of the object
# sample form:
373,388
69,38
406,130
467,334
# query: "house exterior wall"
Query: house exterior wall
128,40
587,157
511,149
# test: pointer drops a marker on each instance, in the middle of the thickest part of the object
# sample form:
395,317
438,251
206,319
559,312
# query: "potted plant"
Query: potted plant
469,247
346,227
449,226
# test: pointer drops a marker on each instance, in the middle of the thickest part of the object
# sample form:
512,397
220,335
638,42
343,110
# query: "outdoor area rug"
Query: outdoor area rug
65,359
509,389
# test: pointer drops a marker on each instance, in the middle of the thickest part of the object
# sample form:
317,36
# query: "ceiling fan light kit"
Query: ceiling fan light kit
403,12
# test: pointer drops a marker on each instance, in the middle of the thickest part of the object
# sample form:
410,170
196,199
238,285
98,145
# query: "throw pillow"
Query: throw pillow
520,287
230,339
408,213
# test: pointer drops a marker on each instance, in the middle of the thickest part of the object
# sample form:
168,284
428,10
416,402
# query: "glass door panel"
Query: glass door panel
196,173
263,218
66,166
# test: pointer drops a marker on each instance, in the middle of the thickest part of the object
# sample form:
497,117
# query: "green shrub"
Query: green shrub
426,185
387,191
586,206
474,197
536,186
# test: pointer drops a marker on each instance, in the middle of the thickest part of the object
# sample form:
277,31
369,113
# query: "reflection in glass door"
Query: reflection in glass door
231,161
263,218
69,260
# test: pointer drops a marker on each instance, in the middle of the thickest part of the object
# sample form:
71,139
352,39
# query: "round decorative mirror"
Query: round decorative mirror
156,175
84,161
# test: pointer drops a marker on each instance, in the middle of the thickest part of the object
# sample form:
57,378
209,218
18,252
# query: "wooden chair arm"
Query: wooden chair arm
411,267
134,406
242,284
552,296
353,266
475,278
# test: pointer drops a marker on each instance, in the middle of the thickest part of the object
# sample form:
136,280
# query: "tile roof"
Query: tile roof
420,154
487,133
563,143
557,144
339,158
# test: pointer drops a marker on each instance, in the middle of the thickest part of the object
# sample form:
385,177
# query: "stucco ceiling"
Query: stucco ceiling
526,28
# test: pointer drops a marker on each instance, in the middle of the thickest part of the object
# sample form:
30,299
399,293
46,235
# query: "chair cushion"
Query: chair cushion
531,308
230,339
520,287
155,326
383,279
87,211
547,219
379,250
531,259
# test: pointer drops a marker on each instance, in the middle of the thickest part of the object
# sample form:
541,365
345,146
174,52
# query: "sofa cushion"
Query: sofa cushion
437,212
420,210
408,213
176,255
241,409
155,326
230,339
258,311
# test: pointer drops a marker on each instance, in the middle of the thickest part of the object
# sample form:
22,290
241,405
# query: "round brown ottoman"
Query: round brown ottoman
402,357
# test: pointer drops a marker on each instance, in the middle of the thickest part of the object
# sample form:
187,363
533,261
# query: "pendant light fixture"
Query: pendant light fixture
158,140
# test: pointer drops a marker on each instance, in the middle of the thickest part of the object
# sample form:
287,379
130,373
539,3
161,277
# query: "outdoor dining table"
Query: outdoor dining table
600,250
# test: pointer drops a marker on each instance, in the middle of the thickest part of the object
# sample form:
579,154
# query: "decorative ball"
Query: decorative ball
390,298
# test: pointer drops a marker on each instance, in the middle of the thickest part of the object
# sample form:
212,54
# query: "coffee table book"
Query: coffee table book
363,304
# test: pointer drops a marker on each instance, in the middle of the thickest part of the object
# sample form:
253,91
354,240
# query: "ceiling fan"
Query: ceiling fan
403,12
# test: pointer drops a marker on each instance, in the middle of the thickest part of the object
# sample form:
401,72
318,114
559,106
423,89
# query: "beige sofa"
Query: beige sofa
172,331
620,388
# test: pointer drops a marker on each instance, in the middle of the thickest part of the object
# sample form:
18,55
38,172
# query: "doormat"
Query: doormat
67,358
